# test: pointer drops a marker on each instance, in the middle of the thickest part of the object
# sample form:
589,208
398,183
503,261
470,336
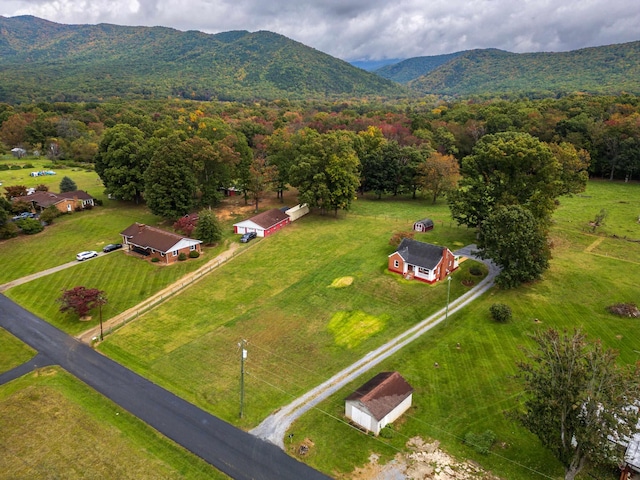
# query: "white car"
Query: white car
86,255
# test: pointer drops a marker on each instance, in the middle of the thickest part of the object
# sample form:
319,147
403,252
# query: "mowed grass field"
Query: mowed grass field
284,296
474,387
53,426
300,330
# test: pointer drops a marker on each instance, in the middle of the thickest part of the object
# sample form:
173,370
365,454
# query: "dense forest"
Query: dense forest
42,60
327,150
46,61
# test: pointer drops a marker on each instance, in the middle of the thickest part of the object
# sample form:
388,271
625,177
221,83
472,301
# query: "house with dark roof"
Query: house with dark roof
422,261
157,243
65,202
379,402
264,224
423,225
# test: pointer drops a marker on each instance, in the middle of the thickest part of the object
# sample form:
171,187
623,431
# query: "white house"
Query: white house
379,402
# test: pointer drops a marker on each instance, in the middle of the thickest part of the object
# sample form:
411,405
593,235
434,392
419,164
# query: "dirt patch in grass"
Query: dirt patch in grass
341,282
425,460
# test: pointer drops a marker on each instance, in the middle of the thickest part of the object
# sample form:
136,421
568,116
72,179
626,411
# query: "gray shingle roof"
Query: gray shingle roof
419,253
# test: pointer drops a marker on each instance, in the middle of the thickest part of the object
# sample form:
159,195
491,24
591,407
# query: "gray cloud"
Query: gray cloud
372,29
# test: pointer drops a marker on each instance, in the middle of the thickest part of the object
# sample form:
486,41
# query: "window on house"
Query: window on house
175,253
396,263
192,247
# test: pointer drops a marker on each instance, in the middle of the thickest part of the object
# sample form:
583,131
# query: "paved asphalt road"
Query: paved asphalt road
231,450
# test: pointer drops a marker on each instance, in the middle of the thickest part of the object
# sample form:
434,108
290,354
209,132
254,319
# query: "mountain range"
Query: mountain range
46,61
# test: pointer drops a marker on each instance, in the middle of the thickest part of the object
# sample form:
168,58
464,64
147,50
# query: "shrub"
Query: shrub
4,166
30,226
15,167
476,271
49,214
28,165
98,202
155,260
194,254
500,312
8,230
398,237
481,443
182,257
387,432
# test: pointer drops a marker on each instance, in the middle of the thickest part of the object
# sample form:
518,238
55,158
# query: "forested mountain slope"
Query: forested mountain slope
610,69
42,60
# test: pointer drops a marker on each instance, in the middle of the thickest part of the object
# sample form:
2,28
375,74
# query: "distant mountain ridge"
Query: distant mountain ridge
609,69
42,60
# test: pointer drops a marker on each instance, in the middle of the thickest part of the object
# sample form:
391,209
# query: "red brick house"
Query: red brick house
422,261
264,224
379,402
65,202
157,243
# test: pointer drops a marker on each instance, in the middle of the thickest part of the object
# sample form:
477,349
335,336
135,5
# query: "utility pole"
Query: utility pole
446,315
243,357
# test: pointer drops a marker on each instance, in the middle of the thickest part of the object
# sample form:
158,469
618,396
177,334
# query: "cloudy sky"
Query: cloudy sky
372,29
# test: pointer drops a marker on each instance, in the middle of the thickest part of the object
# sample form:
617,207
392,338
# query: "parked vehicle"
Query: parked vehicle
86,255
111,247
247,237
24,215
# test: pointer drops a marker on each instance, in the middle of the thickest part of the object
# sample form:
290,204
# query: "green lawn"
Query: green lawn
281,296
278,296
86,179
72,432
474,384
12,351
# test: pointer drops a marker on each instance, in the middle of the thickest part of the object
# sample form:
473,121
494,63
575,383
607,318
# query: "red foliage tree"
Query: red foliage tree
81,300
185,225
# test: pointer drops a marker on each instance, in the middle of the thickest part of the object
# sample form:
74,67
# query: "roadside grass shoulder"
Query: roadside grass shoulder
12,351
126,281
73,432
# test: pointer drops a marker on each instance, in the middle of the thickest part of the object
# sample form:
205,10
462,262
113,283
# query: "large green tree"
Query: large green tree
577,399
120,162
509,168
326,173
169,181
208,229
514,239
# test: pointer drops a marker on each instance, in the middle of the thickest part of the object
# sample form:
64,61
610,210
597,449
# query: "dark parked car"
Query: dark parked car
111,247
248,237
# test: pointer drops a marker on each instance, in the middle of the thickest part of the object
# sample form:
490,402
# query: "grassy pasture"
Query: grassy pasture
279,296
474,384
72,432
86,179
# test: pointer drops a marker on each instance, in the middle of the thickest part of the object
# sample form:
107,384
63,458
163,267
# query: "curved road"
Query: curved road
274,427
231,450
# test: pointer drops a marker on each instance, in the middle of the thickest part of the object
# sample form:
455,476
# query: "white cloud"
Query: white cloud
358,29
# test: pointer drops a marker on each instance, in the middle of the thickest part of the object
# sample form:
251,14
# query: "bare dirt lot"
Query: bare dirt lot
425,461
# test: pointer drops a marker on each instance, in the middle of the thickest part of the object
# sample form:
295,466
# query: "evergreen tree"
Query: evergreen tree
67,185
